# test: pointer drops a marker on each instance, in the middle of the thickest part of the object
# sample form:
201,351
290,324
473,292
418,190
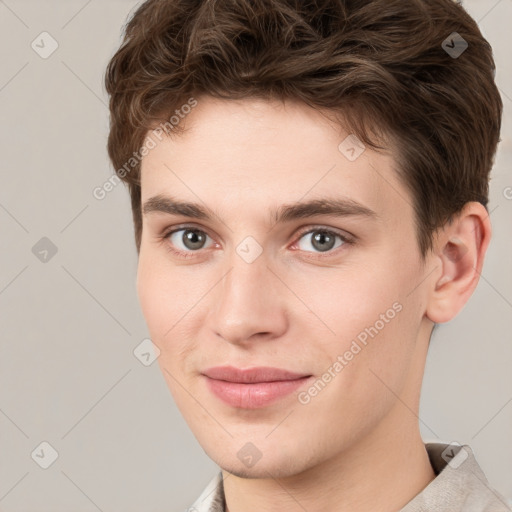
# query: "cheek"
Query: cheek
167,297
161,298
149,292
159,308
369,321
346,302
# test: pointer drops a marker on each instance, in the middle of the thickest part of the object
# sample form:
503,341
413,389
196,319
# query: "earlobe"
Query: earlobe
460,250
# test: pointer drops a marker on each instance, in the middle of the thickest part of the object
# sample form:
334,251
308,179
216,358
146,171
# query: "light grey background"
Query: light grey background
69,325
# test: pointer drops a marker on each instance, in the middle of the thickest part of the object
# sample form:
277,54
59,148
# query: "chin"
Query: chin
271,466
244,472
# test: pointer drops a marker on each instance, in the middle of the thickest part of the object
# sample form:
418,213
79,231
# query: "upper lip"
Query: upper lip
251,375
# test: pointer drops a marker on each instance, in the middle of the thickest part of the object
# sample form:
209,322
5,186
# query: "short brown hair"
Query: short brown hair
382,66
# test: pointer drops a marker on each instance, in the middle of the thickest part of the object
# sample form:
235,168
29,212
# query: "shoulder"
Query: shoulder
460,484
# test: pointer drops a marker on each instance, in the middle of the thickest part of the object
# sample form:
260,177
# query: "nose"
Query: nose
249,303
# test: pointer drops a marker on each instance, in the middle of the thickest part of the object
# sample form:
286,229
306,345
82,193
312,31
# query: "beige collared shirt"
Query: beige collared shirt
460,486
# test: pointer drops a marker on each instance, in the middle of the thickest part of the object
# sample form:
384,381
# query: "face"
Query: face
281,327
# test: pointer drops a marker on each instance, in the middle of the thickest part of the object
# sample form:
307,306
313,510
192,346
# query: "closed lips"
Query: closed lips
252,388
252,375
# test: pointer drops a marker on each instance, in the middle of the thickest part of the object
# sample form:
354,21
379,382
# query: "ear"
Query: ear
460,248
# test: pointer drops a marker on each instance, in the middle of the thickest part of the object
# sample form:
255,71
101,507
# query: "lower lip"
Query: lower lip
253,396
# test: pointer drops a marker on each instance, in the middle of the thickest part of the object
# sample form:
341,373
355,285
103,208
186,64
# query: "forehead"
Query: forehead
254,154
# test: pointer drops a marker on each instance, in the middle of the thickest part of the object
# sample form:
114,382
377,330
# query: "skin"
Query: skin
356,445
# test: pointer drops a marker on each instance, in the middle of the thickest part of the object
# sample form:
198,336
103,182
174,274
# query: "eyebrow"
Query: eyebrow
341,207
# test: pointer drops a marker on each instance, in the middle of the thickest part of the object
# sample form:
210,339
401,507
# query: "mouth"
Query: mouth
252,388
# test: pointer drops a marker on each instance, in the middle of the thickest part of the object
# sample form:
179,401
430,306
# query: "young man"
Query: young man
309,182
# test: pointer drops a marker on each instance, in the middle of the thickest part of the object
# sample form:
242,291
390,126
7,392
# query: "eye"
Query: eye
323,240
187,239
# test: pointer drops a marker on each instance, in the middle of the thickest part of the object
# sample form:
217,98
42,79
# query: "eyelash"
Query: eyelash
191,254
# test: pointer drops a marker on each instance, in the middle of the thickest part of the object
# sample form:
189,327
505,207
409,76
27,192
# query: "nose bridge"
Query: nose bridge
248,271
244,287
247,301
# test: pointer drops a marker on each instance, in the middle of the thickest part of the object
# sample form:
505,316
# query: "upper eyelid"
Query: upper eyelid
168,232
320,227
